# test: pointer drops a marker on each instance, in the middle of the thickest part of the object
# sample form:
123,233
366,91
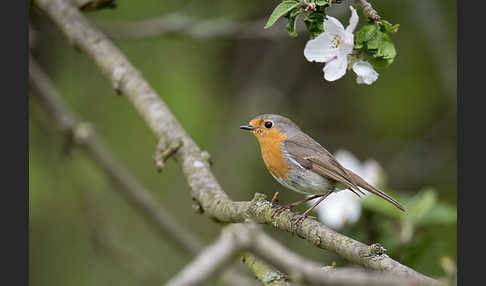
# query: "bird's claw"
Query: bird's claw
278,209
297,221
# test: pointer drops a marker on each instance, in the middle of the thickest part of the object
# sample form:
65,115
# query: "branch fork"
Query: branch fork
249,237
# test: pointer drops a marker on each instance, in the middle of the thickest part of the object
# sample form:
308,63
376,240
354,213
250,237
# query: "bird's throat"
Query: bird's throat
272,154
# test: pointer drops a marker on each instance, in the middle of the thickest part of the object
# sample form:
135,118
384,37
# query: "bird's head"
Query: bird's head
270,126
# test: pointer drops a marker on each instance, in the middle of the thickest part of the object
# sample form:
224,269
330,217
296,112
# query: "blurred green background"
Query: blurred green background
406,121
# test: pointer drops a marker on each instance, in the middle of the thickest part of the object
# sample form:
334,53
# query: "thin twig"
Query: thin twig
204,187
165,152
180,24
105,243
369,12
177,24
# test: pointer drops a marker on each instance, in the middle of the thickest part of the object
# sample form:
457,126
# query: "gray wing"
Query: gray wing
311,155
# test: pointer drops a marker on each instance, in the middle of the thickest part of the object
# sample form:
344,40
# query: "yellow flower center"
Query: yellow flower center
336,41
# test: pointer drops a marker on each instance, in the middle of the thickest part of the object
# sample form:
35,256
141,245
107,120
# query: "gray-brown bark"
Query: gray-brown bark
248,236
369,12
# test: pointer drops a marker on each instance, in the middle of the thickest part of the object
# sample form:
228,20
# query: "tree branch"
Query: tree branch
204,187
212,259
302,269
127,185
265,273
89,5
248,236
105,242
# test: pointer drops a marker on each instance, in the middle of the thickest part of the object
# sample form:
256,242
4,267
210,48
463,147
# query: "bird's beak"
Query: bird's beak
247,127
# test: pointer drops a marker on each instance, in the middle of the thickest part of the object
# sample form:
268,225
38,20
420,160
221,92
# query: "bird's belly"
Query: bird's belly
306,182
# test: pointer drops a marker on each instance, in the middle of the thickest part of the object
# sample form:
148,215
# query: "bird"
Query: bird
301,164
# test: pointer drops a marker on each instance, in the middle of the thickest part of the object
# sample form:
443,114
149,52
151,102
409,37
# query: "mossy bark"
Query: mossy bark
265,273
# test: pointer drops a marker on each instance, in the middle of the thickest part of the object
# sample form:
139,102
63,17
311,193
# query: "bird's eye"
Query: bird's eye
268,124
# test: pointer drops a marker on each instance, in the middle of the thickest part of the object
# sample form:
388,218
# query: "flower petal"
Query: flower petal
333,26
349,161
347,46
335,69
319,49
353,20
339,209
366,73
371,171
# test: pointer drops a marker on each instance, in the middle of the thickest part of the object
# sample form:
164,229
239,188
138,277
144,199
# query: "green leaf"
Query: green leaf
366,33
279,11
388,27
323,2
315,22
379,205
383,45
420,205
422,209
442,213
379,63
292,24
377,45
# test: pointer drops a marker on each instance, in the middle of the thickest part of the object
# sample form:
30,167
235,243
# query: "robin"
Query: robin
301,164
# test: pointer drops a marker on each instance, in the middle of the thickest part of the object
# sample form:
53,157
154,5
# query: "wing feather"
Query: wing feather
311,155
320,161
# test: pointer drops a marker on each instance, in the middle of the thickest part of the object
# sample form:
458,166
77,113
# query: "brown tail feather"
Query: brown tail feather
362,183
356,193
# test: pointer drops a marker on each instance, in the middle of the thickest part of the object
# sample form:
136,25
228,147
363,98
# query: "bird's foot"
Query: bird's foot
278,209
297,221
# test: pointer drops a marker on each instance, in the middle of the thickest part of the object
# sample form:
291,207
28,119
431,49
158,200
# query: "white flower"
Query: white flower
366,73
334,47
369,170
344,207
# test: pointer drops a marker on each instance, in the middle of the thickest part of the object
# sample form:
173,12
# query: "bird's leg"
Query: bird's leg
297,220
302,201
279,209
275,199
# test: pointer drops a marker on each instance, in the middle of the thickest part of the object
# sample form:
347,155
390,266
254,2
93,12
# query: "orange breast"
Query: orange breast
272,154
